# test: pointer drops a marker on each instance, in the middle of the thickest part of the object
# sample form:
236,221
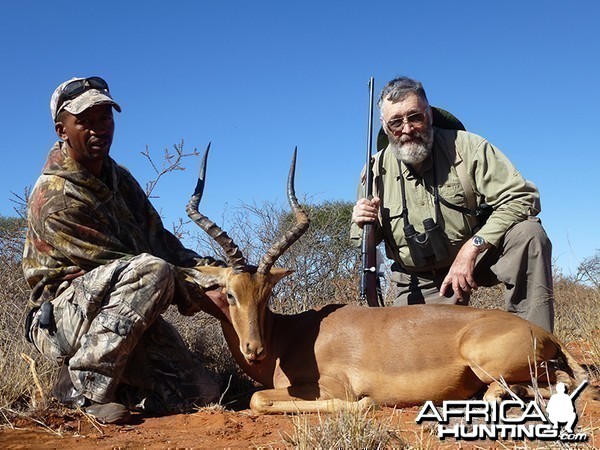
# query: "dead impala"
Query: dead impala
340,356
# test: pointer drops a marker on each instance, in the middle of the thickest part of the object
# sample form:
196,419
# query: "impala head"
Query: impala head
248,287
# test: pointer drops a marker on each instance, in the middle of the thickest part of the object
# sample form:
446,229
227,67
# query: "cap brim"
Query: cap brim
89,98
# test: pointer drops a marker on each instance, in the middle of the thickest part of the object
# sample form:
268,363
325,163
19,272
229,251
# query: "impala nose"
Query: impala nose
254,353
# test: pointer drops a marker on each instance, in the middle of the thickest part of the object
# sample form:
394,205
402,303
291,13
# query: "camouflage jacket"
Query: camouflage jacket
78,222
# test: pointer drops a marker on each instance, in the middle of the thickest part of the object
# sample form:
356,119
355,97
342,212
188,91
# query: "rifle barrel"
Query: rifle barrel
370,135
369,276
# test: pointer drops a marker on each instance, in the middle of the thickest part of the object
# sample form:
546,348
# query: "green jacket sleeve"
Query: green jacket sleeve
500,185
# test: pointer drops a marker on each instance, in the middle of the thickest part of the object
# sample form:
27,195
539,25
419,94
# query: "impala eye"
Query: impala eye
231,299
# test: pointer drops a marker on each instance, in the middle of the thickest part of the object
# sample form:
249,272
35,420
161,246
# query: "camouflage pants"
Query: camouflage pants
108,326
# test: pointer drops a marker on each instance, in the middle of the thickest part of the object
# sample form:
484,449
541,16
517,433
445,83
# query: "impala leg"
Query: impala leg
543,389
496,392
279,401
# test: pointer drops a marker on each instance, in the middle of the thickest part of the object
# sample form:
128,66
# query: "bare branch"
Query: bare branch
171,162
20,200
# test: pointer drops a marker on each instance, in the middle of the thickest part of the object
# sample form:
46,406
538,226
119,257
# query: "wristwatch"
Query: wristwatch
478,242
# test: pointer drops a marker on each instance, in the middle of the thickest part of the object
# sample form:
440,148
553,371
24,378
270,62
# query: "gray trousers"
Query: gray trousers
523,262
108,326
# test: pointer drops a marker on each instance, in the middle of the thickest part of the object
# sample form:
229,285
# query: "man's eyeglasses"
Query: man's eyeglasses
415,120
76,87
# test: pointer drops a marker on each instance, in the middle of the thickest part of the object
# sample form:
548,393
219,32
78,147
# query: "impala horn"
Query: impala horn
302,222
234,255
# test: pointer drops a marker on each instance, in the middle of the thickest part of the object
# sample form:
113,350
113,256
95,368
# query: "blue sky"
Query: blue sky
260,77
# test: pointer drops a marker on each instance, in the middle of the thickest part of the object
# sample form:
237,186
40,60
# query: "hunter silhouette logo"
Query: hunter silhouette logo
510,419
561,408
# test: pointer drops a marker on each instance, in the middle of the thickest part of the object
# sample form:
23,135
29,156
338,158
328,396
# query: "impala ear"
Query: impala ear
220,274
277,273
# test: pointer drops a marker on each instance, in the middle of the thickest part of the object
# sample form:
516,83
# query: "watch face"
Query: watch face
478,241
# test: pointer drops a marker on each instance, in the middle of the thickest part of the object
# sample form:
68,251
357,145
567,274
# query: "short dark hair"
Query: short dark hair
399,88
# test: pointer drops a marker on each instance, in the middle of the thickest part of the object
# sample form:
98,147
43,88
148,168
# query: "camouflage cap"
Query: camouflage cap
83,101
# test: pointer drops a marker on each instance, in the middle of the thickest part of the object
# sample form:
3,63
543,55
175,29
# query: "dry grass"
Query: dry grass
18,387
578,320
344,430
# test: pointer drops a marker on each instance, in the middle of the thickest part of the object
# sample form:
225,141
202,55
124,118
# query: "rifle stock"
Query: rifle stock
369,281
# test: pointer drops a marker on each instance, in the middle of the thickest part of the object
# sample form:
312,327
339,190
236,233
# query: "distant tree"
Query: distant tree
326,263
12,238
589,270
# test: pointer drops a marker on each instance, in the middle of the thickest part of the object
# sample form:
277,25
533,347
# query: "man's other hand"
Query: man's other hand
365,211
460,276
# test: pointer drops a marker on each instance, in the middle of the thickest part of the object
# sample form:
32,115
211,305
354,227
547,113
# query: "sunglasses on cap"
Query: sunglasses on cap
77,87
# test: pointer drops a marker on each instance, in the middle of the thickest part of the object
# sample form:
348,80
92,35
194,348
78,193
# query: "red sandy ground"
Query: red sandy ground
241,429
226,429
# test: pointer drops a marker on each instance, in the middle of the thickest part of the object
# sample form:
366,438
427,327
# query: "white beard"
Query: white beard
411,153
415,151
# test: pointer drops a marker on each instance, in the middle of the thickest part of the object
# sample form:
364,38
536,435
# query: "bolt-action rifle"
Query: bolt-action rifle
369,280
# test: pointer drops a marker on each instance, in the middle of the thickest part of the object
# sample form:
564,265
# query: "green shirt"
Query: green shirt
494,180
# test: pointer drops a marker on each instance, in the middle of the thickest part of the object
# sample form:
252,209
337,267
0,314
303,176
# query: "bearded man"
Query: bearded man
453,212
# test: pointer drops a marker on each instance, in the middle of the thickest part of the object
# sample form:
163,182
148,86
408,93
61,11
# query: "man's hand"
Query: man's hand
460,275
219,307
365,211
